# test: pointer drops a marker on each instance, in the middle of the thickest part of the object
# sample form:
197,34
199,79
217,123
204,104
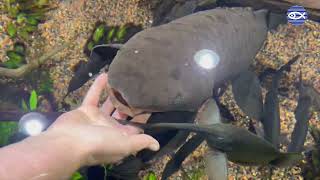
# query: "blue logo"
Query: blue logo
297,15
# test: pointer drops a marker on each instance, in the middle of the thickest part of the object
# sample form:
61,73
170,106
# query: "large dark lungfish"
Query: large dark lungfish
158,69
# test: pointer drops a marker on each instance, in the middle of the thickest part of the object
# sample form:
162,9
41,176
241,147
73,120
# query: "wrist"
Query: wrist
67,145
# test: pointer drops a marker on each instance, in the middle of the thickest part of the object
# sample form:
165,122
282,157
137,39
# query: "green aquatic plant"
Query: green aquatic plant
11,30
7,129
46,86
311,169
15,60
121,33
19,48
16,57
104,34
25,16
90,45
110,35
33,102
194,174
98,33
77,176
150,176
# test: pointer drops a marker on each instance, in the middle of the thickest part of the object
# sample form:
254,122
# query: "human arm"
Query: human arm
85,136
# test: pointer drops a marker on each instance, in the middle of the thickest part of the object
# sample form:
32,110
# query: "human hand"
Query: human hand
99,137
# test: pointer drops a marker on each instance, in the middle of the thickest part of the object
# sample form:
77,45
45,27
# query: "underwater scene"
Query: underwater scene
159,89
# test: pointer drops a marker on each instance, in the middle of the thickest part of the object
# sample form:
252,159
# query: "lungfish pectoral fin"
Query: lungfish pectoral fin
248,97
105,53
100,56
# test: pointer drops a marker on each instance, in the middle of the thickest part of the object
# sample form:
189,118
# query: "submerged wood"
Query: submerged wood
24,69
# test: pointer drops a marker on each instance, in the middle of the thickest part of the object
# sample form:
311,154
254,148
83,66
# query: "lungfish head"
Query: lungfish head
148,75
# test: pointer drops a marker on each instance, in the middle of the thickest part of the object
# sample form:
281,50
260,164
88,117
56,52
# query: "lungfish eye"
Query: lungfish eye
207,59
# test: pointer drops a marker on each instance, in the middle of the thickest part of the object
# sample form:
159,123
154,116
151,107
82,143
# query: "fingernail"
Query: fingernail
154,147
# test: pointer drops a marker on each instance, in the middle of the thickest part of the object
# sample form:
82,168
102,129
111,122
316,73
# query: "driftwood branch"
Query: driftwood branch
24,69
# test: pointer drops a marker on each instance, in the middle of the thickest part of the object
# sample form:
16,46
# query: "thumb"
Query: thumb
139,142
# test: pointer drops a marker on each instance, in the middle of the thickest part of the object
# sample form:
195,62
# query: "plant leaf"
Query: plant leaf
175,162
29,28
22,33
13,11
10,64
21,18
17,59
46,83
121,33
41,3
33,100
12,30
98,33
150,176
247,93
110,35
7,129
130,31
77,176
19,48
24,106
90,45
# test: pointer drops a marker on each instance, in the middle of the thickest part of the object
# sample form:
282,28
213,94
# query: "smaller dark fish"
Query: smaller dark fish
271,113
302,114
240,145
175,162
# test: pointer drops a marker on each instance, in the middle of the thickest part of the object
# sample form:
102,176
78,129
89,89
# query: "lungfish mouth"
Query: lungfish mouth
121,104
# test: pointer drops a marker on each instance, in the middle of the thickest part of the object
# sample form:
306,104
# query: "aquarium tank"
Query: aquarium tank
159,89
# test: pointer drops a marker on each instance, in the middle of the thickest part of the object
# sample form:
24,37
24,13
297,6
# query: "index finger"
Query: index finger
93,95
